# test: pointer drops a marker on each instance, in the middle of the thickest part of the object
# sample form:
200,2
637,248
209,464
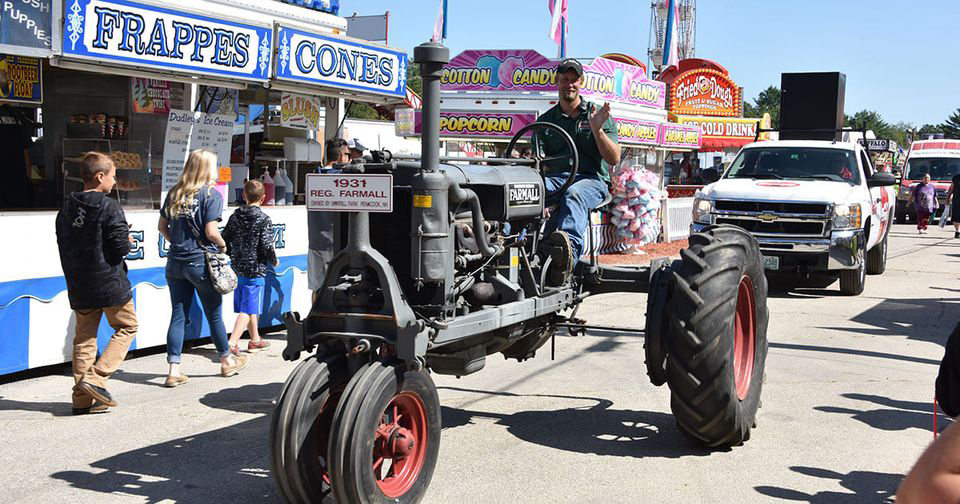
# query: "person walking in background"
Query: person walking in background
954,204
94,238
924,198
320,224
249,237
188,221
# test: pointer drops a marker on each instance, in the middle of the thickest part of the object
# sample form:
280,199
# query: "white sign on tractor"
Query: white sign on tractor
350,192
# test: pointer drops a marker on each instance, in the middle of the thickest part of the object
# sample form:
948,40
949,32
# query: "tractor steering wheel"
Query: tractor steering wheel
540,160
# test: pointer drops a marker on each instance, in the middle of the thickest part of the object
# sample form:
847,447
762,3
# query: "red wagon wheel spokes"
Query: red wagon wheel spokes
400,444
745,337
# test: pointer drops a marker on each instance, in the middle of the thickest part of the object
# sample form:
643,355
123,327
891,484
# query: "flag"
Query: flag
440,25
558,23
671,50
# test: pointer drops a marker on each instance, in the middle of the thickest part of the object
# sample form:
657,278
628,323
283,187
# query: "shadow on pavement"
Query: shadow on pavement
56,409
229,464
854,351
867,487
786,286
921,319
894,415
595,429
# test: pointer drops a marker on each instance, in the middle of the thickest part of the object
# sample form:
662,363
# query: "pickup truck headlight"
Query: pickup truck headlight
847,217
701,210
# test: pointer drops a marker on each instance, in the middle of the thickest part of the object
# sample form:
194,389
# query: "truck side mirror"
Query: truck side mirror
881,179
710,175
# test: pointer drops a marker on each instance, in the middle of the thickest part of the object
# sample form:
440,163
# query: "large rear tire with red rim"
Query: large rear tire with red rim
385,438
717,336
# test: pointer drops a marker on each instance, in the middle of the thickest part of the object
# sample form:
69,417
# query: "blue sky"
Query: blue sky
900,60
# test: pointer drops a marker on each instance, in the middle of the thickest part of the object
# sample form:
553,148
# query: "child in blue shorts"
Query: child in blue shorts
249,237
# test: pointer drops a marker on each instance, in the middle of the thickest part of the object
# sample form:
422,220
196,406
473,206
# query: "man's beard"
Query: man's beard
569,96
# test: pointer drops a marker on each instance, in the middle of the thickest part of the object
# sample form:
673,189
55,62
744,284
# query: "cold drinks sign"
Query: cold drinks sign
144,35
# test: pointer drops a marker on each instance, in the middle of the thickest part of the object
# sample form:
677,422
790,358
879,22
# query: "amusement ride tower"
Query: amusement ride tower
686,30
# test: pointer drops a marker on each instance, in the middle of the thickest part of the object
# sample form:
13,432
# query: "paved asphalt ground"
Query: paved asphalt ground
846,411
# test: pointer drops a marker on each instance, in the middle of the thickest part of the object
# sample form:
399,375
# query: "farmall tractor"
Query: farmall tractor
453,274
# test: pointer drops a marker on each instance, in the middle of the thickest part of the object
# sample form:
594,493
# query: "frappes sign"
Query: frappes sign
705,92
138,34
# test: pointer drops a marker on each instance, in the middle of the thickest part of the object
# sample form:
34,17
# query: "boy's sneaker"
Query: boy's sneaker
240,362
956,234
256,346
96,407
98,393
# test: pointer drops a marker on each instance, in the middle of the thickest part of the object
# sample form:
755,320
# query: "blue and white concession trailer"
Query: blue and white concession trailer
114,75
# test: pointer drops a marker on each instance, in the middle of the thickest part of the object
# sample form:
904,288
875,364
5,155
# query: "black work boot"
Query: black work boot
99,393
561,252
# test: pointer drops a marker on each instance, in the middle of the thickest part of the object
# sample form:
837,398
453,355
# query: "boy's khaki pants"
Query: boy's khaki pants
123,320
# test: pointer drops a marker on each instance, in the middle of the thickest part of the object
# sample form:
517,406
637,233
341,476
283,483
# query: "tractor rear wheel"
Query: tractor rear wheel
717,336
385,437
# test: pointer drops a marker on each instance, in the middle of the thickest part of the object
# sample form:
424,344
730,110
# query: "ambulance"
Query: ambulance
940,159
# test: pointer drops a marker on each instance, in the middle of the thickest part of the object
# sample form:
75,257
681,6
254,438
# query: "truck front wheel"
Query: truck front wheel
877,258
852,281
717,336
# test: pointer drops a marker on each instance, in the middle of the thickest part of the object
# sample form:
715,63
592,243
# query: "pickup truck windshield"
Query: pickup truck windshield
938,168
796,163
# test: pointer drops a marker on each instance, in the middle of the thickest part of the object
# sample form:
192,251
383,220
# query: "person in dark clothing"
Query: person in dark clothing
948,379
954,204
249,237
320,225
16,190
94,238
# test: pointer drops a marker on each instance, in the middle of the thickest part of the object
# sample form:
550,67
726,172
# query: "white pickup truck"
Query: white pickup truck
814,206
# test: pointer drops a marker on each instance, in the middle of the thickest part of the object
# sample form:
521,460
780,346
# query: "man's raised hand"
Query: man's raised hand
599,117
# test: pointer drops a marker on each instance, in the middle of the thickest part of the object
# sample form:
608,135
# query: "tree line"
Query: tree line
902,132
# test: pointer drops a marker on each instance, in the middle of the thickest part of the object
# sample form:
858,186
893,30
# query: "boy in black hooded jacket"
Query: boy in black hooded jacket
93,238
249,237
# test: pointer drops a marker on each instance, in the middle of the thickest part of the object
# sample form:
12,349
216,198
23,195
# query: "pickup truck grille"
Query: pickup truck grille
772,206
782,219
785,228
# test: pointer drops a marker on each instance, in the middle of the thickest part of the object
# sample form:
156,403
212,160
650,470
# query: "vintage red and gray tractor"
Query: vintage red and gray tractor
454,273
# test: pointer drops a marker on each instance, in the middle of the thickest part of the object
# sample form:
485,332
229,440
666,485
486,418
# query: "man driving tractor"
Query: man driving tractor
595,135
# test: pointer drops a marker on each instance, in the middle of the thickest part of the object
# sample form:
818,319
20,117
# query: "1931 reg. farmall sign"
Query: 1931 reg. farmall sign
704,92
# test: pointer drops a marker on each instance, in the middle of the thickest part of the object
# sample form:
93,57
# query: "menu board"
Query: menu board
187,131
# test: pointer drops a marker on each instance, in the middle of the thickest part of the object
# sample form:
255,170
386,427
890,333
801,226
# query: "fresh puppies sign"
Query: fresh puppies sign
705,92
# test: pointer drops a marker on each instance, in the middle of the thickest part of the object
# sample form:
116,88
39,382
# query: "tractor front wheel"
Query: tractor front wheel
300,428
717,336
386,435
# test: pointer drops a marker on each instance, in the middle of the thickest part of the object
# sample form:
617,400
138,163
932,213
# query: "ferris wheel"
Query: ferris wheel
686,30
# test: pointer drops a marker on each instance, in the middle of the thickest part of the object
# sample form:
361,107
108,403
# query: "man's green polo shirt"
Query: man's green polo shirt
578,126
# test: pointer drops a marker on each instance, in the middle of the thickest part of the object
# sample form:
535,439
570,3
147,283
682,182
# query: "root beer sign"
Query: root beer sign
704,92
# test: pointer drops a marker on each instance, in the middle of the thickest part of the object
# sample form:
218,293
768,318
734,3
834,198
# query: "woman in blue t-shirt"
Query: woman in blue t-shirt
188,221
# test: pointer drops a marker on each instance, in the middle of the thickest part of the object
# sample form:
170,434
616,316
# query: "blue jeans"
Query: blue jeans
572,214
185,279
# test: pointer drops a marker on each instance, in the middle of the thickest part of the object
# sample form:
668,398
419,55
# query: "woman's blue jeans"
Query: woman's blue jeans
184,279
